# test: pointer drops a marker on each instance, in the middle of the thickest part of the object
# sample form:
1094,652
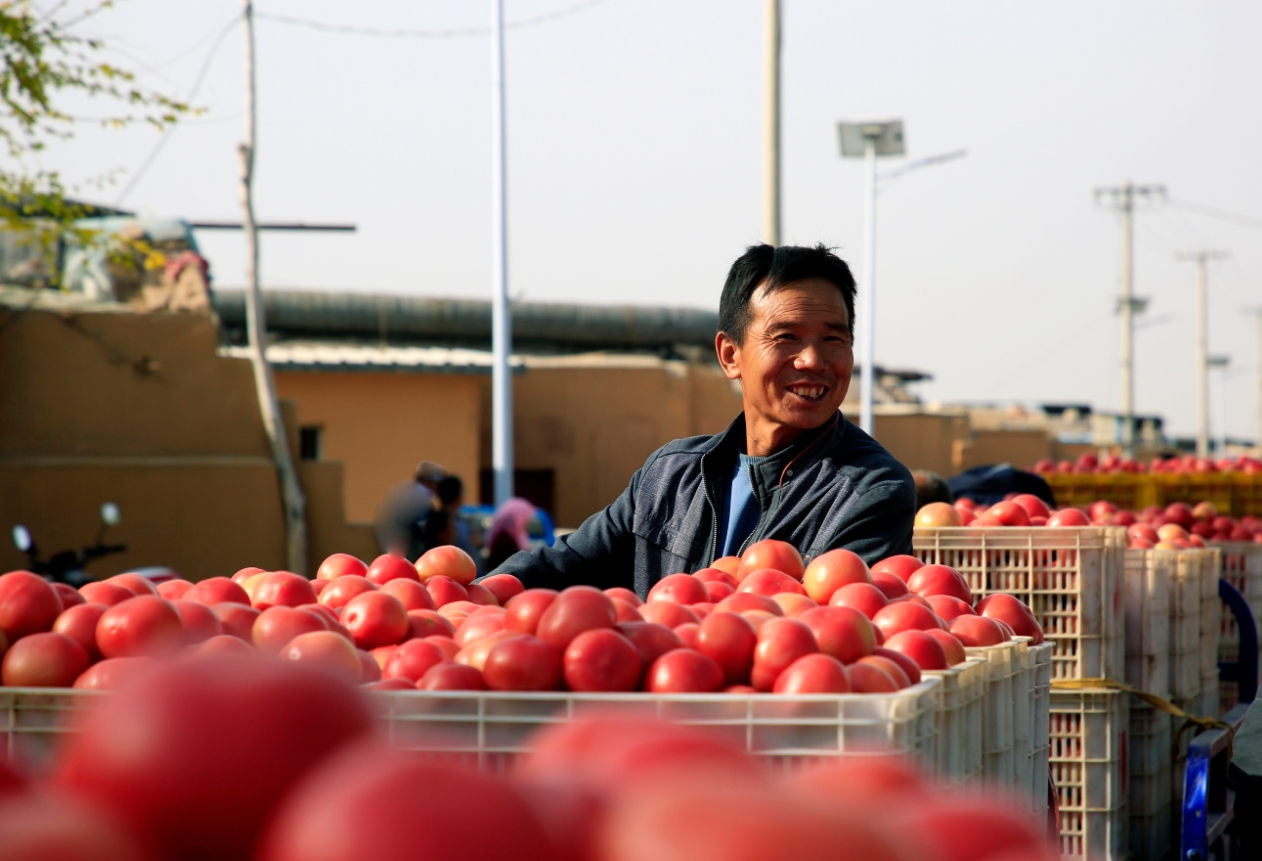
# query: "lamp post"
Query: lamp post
501,318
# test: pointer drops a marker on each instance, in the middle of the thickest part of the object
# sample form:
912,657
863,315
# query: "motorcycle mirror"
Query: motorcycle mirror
22,538
110,515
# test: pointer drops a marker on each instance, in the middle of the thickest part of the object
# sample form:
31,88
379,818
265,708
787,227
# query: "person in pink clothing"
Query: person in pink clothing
507,534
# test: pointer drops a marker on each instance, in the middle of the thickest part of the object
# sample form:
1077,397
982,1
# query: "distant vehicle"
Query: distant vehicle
68,565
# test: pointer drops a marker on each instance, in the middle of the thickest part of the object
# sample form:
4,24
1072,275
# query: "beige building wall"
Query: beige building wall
382,425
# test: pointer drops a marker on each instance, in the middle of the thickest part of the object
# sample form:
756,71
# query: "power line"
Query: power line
1215,212
457,32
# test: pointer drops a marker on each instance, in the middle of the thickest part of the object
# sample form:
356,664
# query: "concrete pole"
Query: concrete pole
1202,360
1257,378
867,310
1127,311
771,123
292,498
501,319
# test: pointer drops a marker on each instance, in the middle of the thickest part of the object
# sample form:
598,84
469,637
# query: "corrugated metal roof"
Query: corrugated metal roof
356,357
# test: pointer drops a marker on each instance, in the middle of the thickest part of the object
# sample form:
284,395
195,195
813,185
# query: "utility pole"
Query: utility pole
501,318
1202,258
1257,377
771,123
256,326
1122,198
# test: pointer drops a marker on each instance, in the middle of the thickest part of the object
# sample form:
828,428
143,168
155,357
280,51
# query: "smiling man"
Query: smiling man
788,467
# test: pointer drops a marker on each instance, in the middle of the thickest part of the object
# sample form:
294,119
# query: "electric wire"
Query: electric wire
452,33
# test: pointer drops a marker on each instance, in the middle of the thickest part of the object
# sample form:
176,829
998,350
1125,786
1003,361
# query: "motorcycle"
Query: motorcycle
68,565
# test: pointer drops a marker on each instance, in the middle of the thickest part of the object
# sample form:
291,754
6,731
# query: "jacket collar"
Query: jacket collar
720,453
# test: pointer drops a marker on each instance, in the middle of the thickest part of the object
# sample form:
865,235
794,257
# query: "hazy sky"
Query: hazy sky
634,164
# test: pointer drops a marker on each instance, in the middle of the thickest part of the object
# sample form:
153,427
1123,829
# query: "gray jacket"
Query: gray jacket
833,487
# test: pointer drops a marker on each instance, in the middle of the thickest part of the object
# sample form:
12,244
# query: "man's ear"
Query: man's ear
729,353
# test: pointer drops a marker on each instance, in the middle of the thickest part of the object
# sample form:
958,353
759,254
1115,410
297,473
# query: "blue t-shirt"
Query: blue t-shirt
742,508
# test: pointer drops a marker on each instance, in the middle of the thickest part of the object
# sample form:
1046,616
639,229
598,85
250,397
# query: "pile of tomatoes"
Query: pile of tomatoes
763,622
234,758
1188,464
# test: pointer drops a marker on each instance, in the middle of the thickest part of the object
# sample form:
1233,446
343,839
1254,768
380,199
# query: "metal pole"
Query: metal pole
256,327
1222,413
867,310
771,123
1127,309
1202,361
1257,378
501,320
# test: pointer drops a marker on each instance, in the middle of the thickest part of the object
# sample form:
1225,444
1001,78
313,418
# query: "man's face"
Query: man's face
797,358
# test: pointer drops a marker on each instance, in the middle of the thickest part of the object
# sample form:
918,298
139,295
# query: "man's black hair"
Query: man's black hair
777,267
449,489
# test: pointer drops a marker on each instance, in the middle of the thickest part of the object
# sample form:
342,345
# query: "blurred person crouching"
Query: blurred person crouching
508,534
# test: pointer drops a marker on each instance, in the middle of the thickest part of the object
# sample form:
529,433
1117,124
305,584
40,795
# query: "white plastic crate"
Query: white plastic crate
492,729
959,720
999,736
1147,601
1211,610
34,720
1071,578
1023,717
1242,568
1185,629
1150,772
1040,717
1088,764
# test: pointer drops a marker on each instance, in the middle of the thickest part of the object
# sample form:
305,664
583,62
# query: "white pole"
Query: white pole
1257,378
867,311
771,123
1222,412
292,497
501,320
1202,360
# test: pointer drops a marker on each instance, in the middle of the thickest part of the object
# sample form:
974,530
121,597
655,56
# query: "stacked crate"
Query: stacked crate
961,699
1242,568
1211,625
1149,574
1072,579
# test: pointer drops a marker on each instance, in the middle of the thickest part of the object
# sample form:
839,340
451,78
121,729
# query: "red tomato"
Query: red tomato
758,618
861,781
237,619
792,604
921,647
1101,512
260,724
1009,514
370,803
447,560
428,623
341,565
376,619
340,590
283,589
445,591
842,632
904,616
729,639
813,674
601,660
909,668
71,598
620,593
136,583
503,586
79,624
387,567
936,515
626,612
446,645
276,626
687,634
217,590
43,660
940,580
651,641
412,595
326,651
1142,531
575,610
476,653
963,829
830,571
115,673
768,582
769,553
369,671
683,671
199,621
412,660
1034,507
524,610
245,574
718,590
28,604
450,676
1068,517
45,826
730,564
107,594
717,575
780,643
977,631
869,678
1011,610
951,644
864,597
742,601
224,644
476,627
890,585
901,566
947,607
680,588
668,613
479,594
172,590
144,625
522,662
392,685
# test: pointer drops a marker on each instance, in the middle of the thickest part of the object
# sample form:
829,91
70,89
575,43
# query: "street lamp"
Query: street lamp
869,140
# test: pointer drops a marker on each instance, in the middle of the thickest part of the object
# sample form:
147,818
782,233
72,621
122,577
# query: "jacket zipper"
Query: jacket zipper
714,517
